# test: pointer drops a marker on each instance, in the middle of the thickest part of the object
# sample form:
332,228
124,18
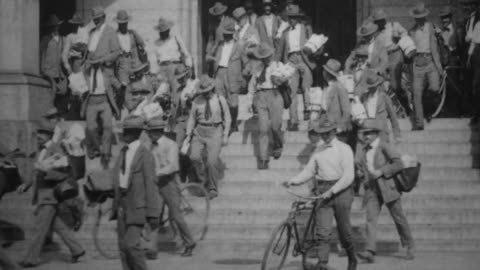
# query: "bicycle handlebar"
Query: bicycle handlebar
312,198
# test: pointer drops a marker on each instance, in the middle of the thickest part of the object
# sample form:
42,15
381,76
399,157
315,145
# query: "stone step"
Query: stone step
295,162
427,136
424,148
437,124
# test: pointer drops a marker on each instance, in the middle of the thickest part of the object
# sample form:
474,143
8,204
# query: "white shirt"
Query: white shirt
124,40
267,84
243,30
330,162
371,103
132,150
370,51
100,89
269,24
95,38
325,95
371,154
71,135
294,39
226,53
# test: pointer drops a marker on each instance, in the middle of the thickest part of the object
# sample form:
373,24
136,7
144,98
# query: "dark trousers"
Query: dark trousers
46,218
475,63
395,69
302,78
269,106
338,206
373,203
98,139
132,255
170,193
426,72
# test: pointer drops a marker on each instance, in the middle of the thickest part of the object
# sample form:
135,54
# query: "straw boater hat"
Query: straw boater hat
217,9
140,88
122,16
419,11
156,123
294,11
322,125
370,124
238,13
97,12
76,18
229,27
164,25
446,11
138,66
133,122
367,29
373,80
180,72
53,20
379,14
263,51
52,113
333,67
206,84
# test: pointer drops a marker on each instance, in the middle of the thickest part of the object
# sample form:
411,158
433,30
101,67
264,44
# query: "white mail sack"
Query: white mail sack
185,147
189,89
283,71
78,83
407,45
409,161
348,81
315,42
358,110
283,26
316,94
152,110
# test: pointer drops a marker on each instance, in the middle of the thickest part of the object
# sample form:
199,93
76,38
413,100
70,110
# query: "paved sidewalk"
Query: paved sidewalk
165,261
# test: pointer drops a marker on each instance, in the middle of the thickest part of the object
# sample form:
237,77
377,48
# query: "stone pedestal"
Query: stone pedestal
24,95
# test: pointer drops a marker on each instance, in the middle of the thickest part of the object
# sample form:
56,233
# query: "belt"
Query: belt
291,53
394,50
266,89
423,54
320,181
164,63
210,124
98,95
123,192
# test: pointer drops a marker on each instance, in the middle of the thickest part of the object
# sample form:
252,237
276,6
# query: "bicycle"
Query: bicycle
195,206
303,235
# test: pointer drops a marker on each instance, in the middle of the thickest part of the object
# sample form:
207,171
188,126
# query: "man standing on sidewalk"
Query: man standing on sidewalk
208,129
376,164
331,168
165,152
268,103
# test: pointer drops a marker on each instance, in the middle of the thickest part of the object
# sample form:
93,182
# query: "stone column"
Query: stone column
24,95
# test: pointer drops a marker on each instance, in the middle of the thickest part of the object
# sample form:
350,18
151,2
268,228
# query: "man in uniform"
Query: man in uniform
103,51
268,24
290,50
136,200
52,169
170,52
208,128
426,62
331,168
229,63
165,152
376,164
268,103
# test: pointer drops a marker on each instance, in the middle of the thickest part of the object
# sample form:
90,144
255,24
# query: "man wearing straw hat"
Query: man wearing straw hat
218,11
376,164
166,154
130,42
331,168
229,62
268,24
170,52
391,33
79,35
426,62
269,106
290,50
208,128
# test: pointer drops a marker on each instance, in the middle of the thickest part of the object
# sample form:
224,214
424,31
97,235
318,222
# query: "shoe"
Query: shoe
342,253
212,194
277,153
76,257
188,252
319,266
429,119
418,128
151,255
410,256
367,256
292,127
51,246
24,264
263,165
352,263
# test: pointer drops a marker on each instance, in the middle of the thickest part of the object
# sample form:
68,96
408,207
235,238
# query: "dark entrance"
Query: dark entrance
64,10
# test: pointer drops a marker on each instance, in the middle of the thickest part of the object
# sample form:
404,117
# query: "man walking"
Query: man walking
165,152
229,63
426,62
331,168
268,24
215,31
290,50
208,129
103,51
136,200
376,164
268,103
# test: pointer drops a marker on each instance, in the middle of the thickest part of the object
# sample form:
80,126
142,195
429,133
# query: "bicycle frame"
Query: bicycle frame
302,245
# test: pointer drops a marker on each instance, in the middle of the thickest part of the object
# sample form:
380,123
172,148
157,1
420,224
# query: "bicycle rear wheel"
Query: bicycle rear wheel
195,206
105,248
277,247
443,94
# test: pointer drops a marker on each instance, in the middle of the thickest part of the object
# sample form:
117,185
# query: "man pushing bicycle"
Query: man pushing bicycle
331,167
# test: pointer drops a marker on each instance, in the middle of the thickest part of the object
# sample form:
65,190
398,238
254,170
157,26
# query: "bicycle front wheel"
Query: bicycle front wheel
107,248
195,207
277,247
443,94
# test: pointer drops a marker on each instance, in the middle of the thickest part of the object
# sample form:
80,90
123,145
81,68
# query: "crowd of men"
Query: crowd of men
103,75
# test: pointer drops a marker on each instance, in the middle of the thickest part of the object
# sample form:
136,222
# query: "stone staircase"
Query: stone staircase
444,210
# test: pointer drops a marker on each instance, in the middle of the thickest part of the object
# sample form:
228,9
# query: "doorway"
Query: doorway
64,10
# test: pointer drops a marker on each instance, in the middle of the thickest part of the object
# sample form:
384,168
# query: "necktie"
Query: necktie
94,83
124,159
263,76
154,144
208,110
367,148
